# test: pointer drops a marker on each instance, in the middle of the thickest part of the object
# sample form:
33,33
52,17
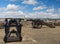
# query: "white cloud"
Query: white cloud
6,12
59,10
11,10
14,14
49,13
3,8
43,15
51,10
21,14
32,2
10,7
39,8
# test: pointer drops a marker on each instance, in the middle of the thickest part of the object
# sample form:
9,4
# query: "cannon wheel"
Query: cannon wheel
52,26
40,26
37,25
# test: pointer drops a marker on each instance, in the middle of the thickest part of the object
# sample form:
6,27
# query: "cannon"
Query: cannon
17,32
37,23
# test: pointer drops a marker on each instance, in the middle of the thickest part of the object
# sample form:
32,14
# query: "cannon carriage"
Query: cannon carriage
37,23
17,32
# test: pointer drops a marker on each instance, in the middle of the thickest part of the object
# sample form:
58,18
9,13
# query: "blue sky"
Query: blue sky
30,8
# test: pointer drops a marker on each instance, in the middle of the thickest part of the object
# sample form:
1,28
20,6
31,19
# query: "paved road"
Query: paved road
45,35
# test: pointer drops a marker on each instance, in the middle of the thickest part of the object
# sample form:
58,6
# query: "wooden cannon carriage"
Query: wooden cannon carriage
17,32
37,23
